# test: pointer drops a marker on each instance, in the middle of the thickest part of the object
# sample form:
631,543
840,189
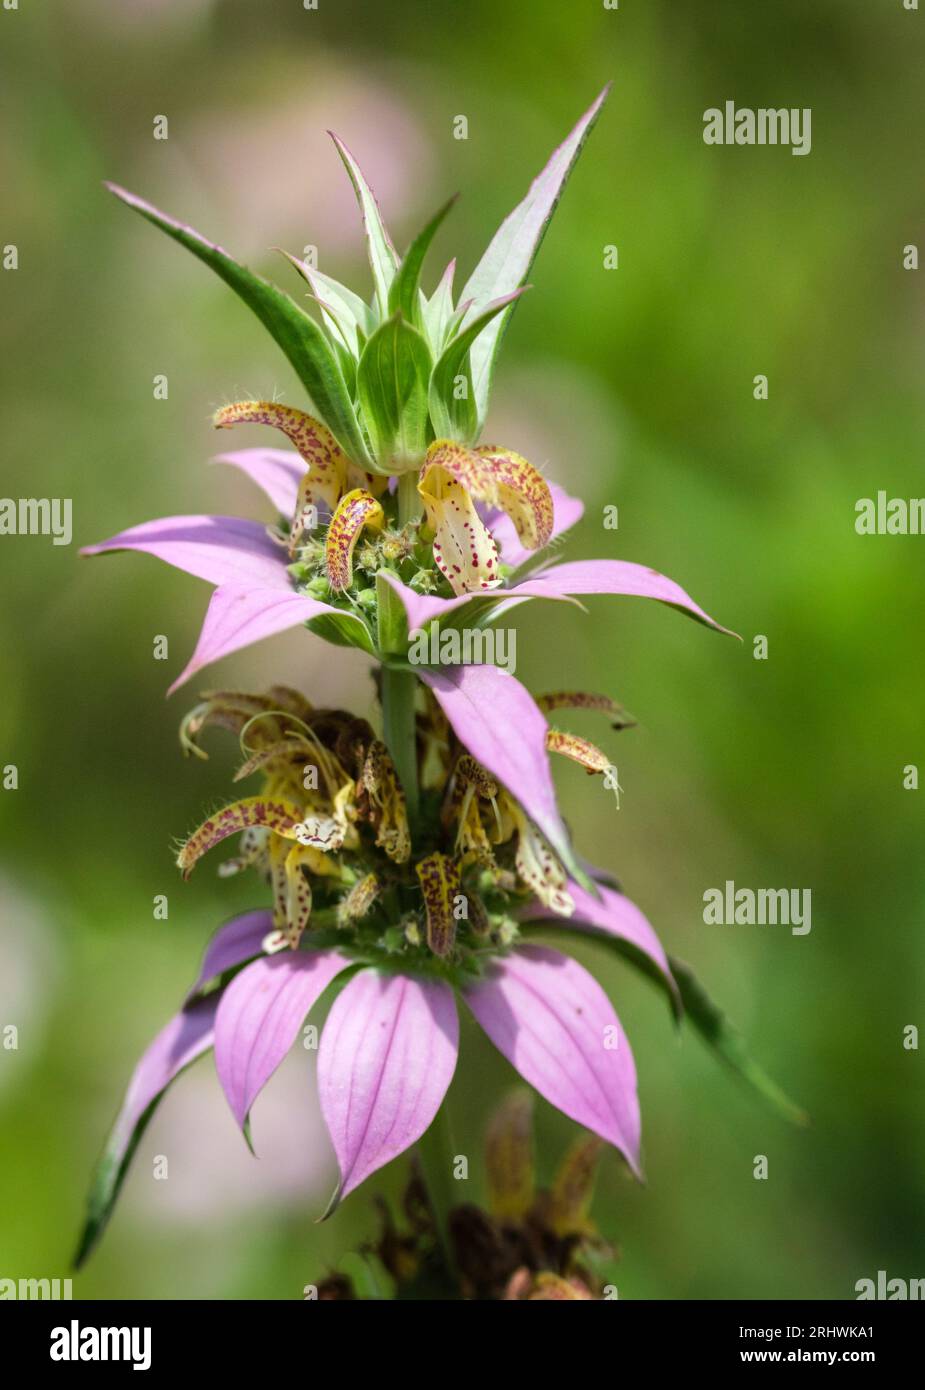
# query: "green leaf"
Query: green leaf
108,1178
507,261
301,339
458,418
438,310
392,631
342,630
343,310
727,1042
403,294
383,258
392,382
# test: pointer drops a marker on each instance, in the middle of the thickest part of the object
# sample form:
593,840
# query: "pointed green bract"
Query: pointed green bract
392,620
456,416
342,630
106,1185
344,312
507,261
383,258
727,1042
438,310
300,338
392,382
403,294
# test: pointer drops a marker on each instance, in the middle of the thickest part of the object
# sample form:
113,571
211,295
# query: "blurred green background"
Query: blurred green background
632,387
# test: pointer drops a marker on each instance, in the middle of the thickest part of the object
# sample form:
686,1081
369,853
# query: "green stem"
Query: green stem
435,1155
410,505
398,722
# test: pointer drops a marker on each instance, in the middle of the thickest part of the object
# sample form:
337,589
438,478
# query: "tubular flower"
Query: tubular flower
403,929
452,480
398,391
406,872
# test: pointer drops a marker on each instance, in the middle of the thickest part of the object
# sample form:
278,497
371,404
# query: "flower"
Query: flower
431,865
259,591
399,391
402,930
452,479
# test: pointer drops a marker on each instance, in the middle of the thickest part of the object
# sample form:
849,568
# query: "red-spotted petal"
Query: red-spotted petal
265,812
514,485
327,462
355,511
464,550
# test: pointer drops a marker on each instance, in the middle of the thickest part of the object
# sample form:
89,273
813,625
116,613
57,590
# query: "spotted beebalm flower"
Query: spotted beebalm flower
388,483
452,479
260,592
432,865
402,930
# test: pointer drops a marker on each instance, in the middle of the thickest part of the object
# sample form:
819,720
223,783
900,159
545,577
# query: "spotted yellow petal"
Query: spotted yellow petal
298,896
381,799
327,463
470,783
439,879
584,699
535,861
580,750
464,550
514,485
355,904
355,511
277,850
279,816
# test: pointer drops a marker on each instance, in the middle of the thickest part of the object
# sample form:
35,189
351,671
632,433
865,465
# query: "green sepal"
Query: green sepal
108,1177
342,631
392,383
404,294
301,339
458,418
347,315
392,634
509,256
438,310
383,258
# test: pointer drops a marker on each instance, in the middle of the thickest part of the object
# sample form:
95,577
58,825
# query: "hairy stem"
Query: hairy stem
409,499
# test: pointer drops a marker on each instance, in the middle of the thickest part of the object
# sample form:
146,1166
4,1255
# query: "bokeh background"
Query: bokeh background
632,387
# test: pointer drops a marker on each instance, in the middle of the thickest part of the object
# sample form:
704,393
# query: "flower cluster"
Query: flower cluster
428,862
